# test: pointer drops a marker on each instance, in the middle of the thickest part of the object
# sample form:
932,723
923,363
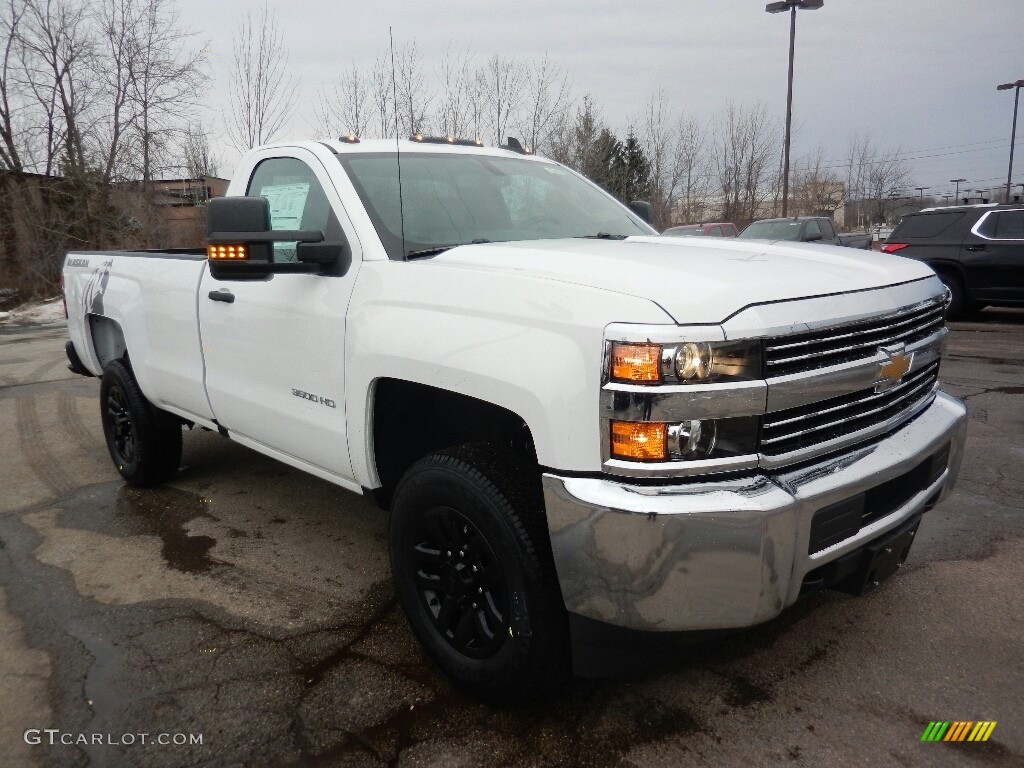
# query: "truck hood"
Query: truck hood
694,280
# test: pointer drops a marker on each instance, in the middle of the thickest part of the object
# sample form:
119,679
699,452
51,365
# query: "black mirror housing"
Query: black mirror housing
642,209
246,221
334,257
237,214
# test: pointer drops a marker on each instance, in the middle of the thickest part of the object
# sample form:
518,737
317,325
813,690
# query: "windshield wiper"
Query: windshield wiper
602,236
433,251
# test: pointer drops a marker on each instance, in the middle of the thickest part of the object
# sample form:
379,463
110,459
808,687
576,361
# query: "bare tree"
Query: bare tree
382,90
693,164
56,51
817,189
346,108
887,177
744,158
675,148
501,83
10,93
454,113
262,92
198,159
875,180
414,98
90,90
546,101
166,75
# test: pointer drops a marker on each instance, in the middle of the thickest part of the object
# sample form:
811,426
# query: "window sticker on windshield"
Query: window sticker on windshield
287,202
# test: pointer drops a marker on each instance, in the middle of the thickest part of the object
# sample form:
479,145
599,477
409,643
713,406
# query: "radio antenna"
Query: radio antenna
398,149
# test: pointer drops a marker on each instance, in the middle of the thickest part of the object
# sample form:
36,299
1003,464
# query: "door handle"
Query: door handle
224,295
975,247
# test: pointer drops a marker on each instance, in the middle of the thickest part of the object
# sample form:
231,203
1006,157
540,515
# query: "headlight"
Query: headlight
693,439
689,440
685,363
694,361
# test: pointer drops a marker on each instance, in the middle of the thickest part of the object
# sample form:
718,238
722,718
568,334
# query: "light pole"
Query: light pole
779,7
1013,131
957,182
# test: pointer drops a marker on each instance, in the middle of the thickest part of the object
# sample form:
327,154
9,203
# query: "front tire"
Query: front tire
144,442
474,573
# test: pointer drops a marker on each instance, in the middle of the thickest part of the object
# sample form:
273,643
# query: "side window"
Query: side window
826,230
1009,225
297,201
715,232
812,230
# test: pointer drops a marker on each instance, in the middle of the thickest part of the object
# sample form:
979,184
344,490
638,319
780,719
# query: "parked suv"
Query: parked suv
976,250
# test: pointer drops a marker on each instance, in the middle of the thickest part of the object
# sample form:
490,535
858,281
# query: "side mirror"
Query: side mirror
240,242
642,209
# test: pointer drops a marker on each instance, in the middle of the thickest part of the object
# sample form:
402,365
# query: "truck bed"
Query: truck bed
158,289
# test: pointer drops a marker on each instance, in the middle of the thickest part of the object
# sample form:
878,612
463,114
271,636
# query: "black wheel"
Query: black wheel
474,573
144,442
958,301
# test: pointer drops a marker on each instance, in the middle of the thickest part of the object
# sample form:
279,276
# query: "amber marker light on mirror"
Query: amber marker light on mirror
636,362
639,440
227,252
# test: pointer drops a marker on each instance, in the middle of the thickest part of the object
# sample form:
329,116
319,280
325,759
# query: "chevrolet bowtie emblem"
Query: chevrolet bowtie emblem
895,367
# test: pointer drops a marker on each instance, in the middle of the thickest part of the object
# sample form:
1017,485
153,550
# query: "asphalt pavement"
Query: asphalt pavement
249,606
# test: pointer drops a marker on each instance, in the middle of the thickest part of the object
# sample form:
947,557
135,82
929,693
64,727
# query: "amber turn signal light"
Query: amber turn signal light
636,362
639,440
226,252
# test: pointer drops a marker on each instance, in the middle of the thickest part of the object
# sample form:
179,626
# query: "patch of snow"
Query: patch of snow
41,312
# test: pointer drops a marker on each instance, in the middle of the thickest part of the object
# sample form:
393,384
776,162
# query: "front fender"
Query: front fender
532,346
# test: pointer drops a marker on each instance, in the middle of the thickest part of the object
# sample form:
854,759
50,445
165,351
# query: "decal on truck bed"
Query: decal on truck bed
92,296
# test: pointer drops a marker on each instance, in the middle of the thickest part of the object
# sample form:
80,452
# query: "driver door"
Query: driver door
274,348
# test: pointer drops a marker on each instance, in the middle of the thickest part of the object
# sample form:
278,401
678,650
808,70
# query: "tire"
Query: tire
144,442
474,573
958,299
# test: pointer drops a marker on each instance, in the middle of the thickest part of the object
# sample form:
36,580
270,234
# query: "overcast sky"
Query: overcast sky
918,74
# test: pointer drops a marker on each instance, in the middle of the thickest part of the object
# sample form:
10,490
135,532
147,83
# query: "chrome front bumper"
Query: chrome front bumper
726,553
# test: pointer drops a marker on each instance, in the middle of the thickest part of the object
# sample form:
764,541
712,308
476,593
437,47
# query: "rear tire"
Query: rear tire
144,442
474,573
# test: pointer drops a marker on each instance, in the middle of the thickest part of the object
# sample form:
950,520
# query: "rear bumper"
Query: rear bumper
733,553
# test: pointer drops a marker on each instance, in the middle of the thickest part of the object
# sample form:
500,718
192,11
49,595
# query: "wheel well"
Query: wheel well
951,269
107,339
413,420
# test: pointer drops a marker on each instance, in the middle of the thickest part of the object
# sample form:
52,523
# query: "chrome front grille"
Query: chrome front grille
831,346
795,429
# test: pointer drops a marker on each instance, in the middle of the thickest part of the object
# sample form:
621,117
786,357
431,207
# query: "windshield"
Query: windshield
695,232
773,230
453,199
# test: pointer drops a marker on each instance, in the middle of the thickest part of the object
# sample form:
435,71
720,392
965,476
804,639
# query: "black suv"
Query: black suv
976,250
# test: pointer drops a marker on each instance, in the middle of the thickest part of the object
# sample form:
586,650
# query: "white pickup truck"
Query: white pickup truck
584,432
